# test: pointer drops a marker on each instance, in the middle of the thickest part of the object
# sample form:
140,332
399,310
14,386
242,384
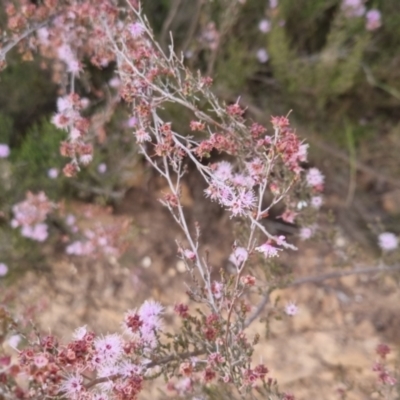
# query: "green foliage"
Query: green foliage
37,154
327,74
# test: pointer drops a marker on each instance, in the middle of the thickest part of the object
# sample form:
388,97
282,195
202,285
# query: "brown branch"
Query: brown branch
258,310
168,21
339,274
14,42
318,279
151,364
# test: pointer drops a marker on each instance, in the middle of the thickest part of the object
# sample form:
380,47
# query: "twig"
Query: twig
317,279
258,310
260,114
193,26
168,22
14,42
339,274
150,364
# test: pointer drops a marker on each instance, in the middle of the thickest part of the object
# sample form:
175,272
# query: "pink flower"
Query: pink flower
388,241
86,159
217,289
72,386
306,232
3,270
189,254
114,82
316,202
64,104
136,29
79,333
52,173
223,170
373,20
131,122
273,3
150,309
36,232
268,250
291,309
353,8
109,348
40,360
142,136
239,256
101,168
4,150
314,177
262,56
302,153
264,26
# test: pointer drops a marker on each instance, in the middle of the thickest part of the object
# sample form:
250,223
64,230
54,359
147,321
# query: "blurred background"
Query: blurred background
335,66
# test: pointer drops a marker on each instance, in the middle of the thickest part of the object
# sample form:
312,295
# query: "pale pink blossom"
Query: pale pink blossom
388,241
291,309
36,232
373,20
273,3
70,220
264,26
142,136
127,369
314,177
86,159
73,386
306,232
217,289
114,82
79,333
303,152
52,173
136,29
239,256
131,122
40,360
223,170
353,8
316,202
243,180
262,56
3,270
101,168
189,254
64,104
4,150
109,348
268,250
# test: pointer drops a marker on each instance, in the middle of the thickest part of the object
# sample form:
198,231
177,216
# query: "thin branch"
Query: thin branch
168,22
14,42
339,274
317,279
261,305
193,25
151,364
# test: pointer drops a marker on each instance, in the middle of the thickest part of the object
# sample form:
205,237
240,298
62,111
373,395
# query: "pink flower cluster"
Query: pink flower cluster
356,8
234,191
112,364
100,241
30,215
143,324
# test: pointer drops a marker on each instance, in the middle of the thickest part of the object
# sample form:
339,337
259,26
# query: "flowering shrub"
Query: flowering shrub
257,168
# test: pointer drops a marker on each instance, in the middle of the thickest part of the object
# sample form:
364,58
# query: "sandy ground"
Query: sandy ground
329,345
